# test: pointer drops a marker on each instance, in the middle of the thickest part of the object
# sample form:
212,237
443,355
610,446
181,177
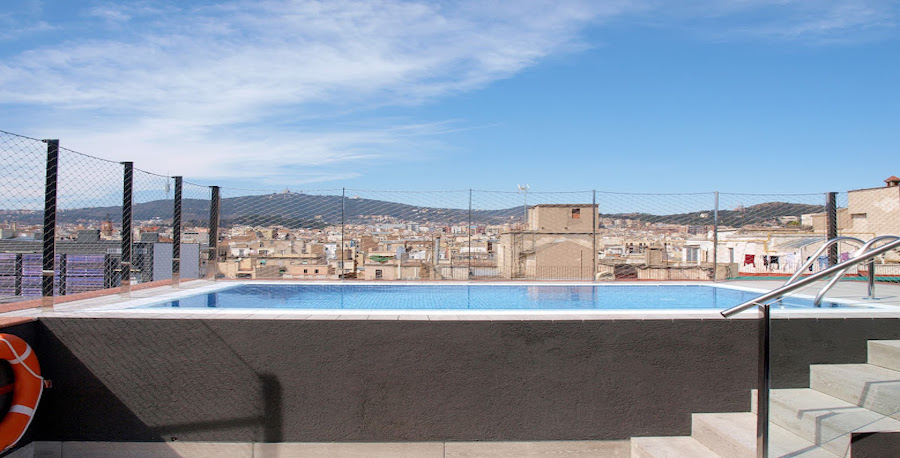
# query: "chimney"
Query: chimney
892,182
88,235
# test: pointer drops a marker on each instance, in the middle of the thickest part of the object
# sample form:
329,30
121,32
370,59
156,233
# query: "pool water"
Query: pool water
476,297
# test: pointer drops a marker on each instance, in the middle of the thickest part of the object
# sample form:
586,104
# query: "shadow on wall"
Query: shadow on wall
370,380
152,380
345,380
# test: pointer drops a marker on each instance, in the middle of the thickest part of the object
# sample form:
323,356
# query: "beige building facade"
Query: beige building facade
559,243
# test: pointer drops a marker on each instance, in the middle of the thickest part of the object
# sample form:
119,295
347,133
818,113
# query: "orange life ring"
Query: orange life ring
27,389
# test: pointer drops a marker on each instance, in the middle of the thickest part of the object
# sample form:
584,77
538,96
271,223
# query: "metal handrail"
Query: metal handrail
818,252
840,274
763,303
778,292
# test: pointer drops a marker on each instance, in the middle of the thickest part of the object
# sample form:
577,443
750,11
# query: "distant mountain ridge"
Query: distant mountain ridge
296,210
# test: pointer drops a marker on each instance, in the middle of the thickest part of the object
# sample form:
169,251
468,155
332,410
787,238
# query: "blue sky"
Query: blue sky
632,96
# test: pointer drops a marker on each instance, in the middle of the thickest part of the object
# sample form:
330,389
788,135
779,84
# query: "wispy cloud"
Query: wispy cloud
811,22
188,75
252,83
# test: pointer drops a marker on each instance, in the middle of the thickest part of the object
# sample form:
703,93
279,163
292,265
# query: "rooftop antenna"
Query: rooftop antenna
523,188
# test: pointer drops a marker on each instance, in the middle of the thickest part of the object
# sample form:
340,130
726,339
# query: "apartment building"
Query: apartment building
558,242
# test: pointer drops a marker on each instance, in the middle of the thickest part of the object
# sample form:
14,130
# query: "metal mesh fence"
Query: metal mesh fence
534,235
409,235
867,214
656,236
195,230
152,213
764,235
269,234
22,175
88,223
402,235
525,235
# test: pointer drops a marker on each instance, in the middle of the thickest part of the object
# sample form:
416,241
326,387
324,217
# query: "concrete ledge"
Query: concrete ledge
569,449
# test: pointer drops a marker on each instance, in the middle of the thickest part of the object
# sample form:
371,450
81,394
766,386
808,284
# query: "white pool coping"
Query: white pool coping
887,305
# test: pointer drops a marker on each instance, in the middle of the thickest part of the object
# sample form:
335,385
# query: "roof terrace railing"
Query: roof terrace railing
777,293
866,247
865,253
812,259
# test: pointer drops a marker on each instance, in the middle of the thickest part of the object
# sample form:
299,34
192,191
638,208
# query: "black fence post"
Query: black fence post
832,224
127,201
469,232
715,263
110,273
19,273
49,252
176,234
212,265
595,213
63,270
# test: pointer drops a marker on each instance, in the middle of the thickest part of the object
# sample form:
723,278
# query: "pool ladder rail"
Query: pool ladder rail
866,252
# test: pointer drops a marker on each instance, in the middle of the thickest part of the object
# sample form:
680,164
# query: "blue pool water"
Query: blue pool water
475,297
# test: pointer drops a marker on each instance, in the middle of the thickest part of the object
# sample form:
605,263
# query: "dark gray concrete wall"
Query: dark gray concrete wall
798,343
282,380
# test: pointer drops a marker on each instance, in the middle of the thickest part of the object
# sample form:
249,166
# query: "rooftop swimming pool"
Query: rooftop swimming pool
476,297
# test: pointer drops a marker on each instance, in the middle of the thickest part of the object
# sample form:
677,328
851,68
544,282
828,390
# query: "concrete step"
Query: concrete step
885,353
824,420
669,447
865,385
754,393
734,435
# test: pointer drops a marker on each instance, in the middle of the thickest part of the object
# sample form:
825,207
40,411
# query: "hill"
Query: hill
297,210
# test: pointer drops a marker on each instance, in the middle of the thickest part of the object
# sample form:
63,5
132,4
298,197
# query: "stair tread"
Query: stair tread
669,447
893,343
824,420
885,353
740,429
861,371
873,387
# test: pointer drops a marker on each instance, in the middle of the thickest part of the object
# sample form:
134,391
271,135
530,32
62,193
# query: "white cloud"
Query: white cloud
186,78
813,22
225,90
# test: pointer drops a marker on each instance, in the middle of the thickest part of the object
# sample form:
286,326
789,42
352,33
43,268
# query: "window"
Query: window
576,213
379,274
317,270
692,254
306,271
857,216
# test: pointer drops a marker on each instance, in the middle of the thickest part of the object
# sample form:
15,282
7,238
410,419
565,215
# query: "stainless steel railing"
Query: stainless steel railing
866,247
812,259
763,302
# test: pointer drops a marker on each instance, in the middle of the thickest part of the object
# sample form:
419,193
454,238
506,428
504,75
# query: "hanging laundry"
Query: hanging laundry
810,265
823,262
766,261
773,261
750,259
845,256
790,261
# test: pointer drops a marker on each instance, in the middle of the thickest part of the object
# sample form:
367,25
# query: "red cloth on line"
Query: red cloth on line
750,259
